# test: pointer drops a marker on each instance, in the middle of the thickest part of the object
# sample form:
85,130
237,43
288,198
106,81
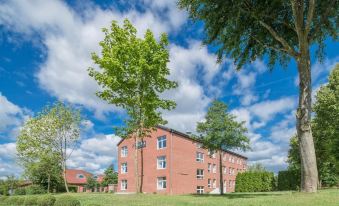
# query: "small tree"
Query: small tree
133,74
111,177
278,30
222,132
91,183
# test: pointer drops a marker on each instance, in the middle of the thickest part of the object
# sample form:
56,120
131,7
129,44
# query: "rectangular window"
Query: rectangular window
161,183
211,153
123,184
124,151
214,183
161,162
200,157
214,168
225,170
200,189
230,171
124,167
209,183
200,174
161,142
141,144
209,167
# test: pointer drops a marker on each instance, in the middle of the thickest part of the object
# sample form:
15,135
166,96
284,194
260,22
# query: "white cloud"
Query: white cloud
8,165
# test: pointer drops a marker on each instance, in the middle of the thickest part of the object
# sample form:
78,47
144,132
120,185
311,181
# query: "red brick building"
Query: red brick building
78,178
174,163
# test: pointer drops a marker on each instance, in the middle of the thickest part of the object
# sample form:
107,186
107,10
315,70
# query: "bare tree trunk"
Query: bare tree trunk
136,165
142,166
309,172
220,173
48,183
65,180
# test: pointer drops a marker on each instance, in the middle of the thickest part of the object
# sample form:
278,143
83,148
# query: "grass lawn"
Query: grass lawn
322,198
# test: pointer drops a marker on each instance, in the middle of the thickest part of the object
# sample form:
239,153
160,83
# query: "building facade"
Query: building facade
175,163
77,179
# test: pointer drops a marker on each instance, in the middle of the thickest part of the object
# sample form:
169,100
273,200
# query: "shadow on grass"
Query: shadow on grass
238,195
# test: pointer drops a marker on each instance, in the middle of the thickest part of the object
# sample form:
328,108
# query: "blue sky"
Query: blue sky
45,51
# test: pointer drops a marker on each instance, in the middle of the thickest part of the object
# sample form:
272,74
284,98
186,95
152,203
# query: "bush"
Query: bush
288,180
67,201
20,191
20,200
12,200
46,200
31,200
35,189
255,182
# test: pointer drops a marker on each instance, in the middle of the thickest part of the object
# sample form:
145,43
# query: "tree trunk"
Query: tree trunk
48,183
136,165
65,180
309,173
141,166
220,173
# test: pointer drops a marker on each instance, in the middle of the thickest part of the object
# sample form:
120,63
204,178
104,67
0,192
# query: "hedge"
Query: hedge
35,189
46,200
20,191
67,201
288,180
31,200
255,182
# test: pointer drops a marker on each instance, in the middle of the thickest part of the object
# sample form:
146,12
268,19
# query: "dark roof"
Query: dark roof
188,137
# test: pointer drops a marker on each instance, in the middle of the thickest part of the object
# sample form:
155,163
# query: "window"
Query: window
230,171
233,160
200,189
214,183
214,168
200,157
80,176
161,162
161,183
95,177
124,151
209,183
200,174
199,145
224,158
211,153
124,167
209,167
161,142
141,144
225,170
123,184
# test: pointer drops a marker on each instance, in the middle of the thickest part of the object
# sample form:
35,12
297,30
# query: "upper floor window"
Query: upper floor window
123,184
225,170
161,183
200,157
209,167
80,176
214,168
211,153
124,151
161,142
200,189
199,145
209,183
200,174
161,162
124,167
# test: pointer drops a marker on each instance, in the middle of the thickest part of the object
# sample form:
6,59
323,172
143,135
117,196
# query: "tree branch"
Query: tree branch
270,47
280,39
298,10
310,14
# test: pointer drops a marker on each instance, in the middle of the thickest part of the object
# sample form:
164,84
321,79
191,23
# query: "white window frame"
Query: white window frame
225,170
161,162
162,142
199,157
123,184
200,174
214,183
124,168
214,168
161,183
200,189
124,151
209,167
209,183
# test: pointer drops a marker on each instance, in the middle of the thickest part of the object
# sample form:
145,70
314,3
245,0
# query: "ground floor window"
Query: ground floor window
214,183
161,183
123,184
200,189
209,183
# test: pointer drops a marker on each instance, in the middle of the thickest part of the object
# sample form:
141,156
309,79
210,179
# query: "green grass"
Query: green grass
322,198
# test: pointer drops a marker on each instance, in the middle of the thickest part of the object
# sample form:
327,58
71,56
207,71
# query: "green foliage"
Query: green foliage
46,200
12,200
256,168
35,189
91,183
255,182
133,74
20,191
21,200
288,180
111,177
67,201
31,200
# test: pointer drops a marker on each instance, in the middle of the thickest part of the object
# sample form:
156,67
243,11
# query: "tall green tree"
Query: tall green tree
326,132
46,142
278,30
133,73
91,183
222,132
111,177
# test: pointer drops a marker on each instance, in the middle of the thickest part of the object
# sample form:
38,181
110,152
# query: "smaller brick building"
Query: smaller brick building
175,163
78,178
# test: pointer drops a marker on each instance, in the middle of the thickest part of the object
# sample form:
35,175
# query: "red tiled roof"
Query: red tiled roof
72,176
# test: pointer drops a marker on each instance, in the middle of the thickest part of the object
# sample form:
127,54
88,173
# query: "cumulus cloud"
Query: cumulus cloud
8,165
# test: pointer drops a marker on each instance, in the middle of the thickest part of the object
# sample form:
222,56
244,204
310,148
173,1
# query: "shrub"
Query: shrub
288,180
255,182
12,200
30,200
35,189
46,200
20,200
20,191
67,201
